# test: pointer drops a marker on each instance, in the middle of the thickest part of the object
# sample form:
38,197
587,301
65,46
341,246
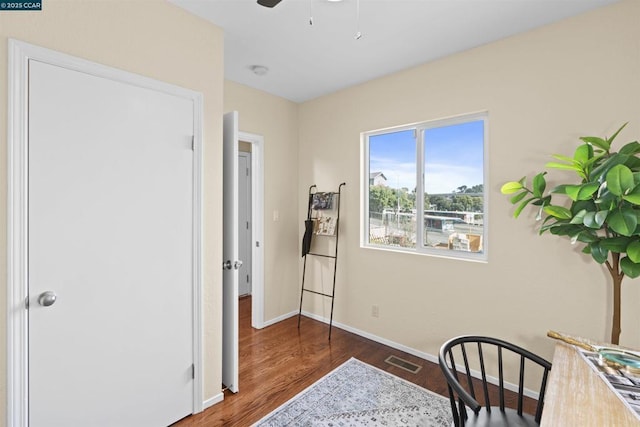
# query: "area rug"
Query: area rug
357,394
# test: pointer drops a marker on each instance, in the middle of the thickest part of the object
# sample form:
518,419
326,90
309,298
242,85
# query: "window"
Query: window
436,168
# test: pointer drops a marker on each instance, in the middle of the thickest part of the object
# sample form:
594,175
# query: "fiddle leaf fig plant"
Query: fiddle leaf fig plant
599,207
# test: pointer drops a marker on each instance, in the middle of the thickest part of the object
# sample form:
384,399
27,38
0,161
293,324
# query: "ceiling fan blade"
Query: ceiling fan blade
268,3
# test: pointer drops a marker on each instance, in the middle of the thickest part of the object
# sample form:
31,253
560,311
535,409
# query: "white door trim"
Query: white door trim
257,226
17,213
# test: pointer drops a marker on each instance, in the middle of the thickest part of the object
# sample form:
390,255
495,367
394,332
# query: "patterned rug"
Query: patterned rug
356,394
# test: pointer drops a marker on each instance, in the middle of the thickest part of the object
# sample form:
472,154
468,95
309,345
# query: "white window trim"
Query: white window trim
420,128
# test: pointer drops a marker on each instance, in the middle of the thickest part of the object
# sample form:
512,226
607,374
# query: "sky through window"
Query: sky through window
453,157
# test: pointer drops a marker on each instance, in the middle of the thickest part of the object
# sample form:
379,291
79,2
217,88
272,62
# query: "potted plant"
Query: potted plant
603,210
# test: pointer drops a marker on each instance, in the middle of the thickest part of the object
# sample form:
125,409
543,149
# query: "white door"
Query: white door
231,263
244,222
110,234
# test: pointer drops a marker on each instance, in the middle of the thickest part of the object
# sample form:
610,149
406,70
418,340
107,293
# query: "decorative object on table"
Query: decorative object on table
604,207
461,356
616,358
625,384
357,394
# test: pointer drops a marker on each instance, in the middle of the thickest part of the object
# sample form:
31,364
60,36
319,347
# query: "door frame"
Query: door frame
257,226
20,53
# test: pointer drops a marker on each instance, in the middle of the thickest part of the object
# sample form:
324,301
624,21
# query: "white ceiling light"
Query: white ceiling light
259,70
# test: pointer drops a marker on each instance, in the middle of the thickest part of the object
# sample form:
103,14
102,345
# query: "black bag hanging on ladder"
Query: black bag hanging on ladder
308,230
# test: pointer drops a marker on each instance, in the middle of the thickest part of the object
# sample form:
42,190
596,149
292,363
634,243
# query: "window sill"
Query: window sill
478,257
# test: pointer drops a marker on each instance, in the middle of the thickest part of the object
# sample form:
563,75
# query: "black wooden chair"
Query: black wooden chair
463,356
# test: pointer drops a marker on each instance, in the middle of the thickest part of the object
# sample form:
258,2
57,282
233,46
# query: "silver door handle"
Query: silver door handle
228,266
47,299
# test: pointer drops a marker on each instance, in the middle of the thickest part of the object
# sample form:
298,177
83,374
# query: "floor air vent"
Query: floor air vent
403,364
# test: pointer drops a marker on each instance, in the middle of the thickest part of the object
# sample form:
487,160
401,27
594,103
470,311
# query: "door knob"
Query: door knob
47,298
227,265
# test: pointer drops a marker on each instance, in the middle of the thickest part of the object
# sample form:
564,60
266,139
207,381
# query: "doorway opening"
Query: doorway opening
254,144
232,263
244,219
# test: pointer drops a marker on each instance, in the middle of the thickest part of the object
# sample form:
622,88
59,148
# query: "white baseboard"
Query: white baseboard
212,401
429,357
279,319
392,344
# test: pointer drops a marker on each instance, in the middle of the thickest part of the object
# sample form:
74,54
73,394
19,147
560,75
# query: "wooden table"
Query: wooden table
577,396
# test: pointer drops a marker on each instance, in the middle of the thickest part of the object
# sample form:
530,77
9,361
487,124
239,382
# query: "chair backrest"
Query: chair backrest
463,356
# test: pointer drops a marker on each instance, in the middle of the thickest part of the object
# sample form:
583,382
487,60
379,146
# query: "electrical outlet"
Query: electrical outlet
276,216
375,311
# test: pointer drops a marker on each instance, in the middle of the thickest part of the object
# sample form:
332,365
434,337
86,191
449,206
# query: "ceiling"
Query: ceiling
307,61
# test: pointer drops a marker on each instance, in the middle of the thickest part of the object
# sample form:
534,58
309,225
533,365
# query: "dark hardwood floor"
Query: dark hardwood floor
279,361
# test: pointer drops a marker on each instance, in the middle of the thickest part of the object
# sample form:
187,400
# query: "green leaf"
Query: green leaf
546,227
589,219
633,251
515,199
596,159
615,244
598,142
606,165
607,200
577,192
583,153
542,201
629,267
565,158
588,205
539,184
511,187
633,163
601,217
561,189
598,253
519,209
586,190
579,217
637,212
560,229
620,180
586,236
571,191
563,166
633,197
623,221
630,148
558,212
610,140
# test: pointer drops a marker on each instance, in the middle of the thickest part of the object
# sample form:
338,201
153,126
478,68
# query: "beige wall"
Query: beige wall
542,90
155,39
276,119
